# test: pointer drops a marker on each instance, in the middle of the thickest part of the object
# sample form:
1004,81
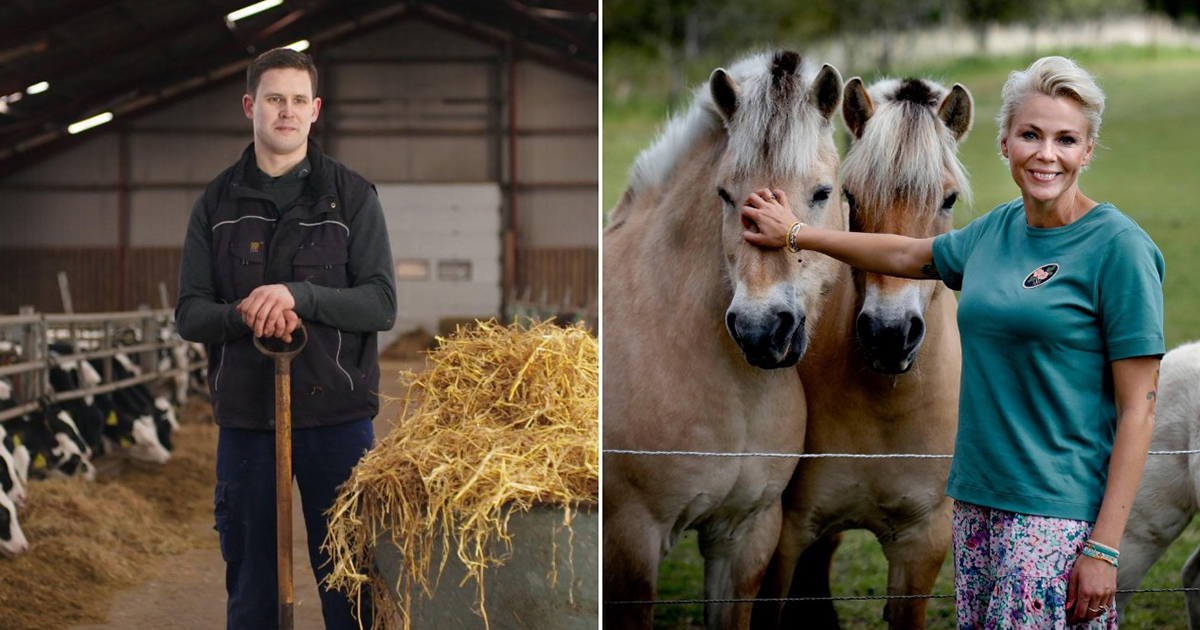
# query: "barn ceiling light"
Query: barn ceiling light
257,7
299,46
38,88
88,123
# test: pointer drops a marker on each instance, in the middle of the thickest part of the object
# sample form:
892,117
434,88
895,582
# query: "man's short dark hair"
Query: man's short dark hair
276,59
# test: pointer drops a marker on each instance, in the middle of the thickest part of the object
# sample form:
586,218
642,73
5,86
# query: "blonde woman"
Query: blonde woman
1061,322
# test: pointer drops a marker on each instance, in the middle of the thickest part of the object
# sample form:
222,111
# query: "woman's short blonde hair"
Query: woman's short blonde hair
1052,76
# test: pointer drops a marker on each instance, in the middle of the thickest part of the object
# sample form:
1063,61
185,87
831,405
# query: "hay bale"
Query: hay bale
500,420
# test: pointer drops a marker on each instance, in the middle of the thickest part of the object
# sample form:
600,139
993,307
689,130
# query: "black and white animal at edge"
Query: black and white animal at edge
1168,496
11,482
12,539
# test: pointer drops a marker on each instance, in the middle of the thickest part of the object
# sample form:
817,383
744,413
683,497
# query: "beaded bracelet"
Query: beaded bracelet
1105,548
1092,552
791,237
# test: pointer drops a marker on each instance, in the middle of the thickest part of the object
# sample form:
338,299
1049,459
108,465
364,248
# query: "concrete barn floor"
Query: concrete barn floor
187,590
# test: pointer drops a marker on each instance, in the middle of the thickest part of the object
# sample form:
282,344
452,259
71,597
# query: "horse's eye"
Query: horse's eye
724,195
949,201
850,199
821,194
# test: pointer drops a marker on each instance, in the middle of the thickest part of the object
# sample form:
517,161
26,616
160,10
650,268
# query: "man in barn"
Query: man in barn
283,235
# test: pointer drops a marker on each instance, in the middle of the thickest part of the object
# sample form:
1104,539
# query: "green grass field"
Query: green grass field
1147,165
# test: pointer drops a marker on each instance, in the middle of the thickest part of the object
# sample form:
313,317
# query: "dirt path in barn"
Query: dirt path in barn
187,590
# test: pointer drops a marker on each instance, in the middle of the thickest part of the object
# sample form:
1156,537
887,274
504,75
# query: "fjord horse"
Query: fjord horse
702,330
867,393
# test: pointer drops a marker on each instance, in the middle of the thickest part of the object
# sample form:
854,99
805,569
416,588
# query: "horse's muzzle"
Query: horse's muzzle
775,340
891,345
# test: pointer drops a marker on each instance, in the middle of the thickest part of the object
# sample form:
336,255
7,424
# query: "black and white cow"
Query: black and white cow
12,539
11,483
139,402
55,444
122,422
14,456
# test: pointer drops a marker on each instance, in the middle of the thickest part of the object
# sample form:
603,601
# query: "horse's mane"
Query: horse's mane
772,131
905,150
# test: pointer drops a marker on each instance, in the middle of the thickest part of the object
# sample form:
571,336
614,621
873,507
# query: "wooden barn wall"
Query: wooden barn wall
29,276
565,276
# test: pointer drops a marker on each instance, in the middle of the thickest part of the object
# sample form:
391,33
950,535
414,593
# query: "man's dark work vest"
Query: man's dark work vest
336,378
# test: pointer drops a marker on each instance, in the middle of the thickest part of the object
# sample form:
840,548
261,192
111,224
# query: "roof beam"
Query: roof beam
458,24
19,32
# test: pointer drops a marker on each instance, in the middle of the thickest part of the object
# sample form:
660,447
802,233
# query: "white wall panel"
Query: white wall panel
444,222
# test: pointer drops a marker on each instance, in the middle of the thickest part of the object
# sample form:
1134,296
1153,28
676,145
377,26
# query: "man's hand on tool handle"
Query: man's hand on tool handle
268,310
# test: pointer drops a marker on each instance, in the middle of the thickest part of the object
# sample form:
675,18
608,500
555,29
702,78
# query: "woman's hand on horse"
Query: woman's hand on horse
767,217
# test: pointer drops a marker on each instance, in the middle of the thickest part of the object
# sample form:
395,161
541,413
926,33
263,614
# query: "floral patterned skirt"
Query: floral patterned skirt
1011,570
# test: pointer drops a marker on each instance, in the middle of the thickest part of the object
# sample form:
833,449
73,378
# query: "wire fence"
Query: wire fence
619,451
847,598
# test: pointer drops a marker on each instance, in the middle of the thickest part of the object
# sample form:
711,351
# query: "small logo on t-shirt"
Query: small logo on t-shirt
1040,276
254,245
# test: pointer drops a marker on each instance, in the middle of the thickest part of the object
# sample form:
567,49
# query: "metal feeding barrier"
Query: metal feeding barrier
26,359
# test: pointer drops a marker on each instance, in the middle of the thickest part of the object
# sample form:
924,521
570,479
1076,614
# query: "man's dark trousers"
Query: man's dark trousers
322,459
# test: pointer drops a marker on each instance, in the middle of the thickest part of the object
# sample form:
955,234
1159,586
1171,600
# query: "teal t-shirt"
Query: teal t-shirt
1043,311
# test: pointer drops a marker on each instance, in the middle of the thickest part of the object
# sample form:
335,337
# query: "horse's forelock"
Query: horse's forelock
905,150
773,131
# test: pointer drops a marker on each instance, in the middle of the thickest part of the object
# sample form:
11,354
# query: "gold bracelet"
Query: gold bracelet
791,237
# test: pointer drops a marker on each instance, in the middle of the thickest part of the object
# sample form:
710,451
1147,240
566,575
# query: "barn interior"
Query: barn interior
477,121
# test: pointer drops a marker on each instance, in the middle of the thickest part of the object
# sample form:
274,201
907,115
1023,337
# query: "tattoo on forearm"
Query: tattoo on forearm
1152,395
930,270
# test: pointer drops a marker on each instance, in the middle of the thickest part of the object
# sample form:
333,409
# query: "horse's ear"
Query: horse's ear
857,109
725,93
826,91
957,111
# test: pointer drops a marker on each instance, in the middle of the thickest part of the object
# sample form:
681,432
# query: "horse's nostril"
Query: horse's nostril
730,321
785,325
863,326
916,330
785,321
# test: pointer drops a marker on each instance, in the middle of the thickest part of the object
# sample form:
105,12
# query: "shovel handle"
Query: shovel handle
274,347
282,354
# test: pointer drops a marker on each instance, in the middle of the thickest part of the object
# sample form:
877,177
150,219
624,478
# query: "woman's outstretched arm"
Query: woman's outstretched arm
768,218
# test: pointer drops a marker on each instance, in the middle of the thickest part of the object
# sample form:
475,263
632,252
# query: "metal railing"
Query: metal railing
99,336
